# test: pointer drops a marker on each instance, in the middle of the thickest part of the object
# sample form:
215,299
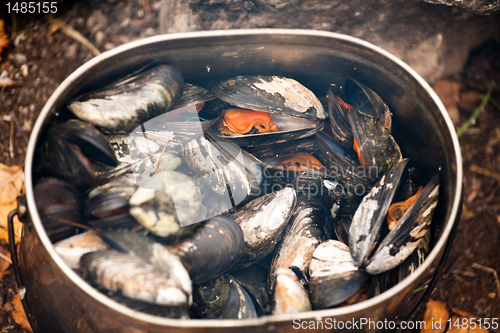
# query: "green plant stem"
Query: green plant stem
474,116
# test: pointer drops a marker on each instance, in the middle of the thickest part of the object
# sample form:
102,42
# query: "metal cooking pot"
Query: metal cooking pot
58,300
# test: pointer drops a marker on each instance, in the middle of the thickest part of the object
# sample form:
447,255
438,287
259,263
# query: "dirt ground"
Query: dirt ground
39,59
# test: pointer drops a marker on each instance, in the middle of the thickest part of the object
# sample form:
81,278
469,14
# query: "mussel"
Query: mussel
263,221
334,277
289,294
273,109
137,279
126,104
404,238
308,228
223,298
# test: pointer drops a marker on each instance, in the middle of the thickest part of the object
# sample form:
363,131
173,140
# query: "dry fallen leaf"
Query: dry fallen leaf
435,317
3,37
18,313
11,180
448,92
4,264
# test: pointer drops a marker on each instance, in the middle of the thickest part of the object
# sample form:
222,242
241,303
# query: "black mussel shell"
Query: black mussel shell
408,233
91,141
272,94
308,227
254,280
369,102
126,104
192,95
343,165
376,144
65,160
59,205
222,298
333,276
341,130
212,249
371,213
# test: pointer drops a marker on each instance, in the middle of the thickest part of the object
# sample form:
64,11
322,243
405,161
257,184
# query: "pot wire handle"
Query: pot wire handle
15,263
440,267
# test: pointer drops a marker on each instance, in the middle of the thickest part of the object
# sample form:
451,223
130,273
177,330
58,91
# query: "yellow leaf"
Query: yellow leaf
435,317
18,313
11,182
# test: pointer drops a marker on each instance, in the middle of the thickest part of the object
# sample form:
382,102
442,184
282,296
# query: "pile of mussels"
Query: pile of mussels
231,203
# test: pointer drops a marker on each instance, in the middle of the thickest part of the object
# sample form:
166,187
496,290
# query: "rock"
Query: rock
483,7
434,40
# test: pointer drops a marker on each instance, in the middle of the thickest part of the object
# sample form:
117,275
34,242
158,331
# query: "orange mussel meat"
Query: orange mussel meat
241,121
397,210
302,162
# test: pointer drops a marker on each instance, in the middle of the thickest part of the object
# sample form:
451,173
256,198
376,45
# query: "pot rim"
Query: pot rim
199,323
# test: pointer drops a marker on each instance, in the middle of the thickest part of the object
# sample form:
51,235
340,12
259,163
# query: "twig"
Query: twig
474,116
489,270
11,139
4,257
485,172
58,24
18,124
161,156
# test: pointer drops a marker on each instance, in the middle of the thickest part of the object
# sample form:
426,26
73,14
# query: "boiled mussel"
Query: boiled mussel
263,221
126,104
272,109
333,276
308,227
405,236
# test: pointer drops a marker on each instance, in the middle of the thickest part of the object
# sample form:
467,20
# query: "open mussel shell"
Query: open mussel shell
222,298
91,141
289,294
341,130
59,206
263,221
342,164
289,129
377,146
271,94
214,247
408,233
107,206
126,104
308,227
333,276
371,213
367,101
65,160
